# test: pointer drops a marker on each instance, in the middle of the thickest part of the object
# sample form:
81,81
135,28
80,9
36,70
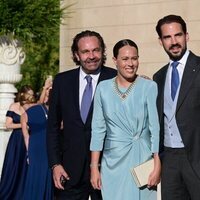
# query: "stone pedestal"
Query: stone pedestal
11,57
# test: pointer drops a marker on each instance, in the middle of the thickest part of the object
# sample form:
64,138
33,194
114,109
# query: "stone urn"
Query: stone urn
11,58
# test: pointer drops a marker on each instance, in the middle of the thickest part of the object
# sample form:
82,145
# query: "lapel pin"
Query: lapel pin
193,70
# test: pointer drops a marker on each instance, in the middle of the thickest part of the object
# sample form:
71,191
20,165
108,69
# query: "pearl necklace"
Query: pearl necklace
121,94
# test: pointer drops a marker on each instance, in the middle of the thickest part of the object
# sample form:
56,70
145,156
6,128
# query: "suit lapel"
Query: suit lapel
190,72
75,84
104,74
161,89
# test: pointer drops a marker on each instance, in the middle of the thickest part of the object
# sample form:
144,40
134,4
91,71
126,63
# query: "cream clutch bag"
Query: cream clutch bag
141,172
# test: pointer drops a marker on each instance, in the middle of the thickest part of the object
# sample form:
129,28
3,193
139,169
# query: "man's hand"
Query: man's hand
146,77
58,172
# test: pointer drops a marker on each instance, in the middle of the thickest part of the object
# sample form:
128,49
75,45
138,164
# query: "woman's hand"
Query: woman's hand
154,177
95,177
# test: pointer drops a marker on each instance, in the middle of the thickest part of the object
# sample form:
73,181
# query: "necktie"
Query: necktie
174,79
86,98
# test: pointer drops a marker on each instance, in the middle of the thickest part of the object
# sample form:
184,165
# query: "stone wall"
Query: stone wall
134,19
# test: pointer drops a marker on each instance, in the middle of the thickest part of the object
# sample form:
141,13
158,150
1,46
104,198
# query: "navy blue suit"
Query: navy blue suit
73,151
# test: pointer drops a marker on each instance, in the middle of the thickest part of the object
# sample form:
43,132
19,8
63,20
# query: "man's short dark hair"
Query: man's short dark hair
87,33
170,19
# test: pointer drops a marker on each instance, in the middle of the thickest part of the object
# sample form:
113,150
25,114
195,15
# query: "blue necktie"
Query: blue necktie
174,79
86,99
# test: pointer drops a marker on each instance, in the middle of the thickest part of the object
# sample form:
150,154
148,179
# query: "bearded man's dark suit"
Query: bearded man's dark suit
73,154
187,110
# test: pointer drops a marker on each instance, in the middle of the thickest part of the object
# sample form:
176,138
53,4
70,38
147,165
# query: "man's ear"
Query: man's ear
114,60
187,37
77,56
160,41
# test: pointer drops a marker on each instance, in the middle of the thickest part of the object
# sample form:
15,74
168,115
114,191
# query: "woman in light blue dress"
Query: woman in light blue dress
125,127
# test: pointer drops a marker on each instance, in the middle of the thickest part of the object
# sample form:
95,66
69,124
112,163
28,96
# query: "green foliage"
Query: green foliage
30,21
36,24
41,61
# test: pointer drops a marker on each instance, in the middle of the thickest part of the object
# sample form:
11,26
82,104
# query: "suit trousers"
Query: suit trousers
178,179
79,192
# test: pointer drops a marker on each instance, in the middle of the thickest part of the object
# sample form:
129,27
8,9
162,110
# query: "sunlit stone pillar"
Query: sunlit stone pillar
11,57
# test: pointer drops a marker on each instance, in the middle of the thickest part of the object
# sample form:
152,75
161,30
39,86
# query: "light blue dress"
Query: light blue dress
127,130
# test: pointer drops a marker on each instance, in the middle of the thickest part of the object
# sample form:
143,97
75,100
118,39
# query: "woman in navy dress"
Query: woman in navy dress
15,167
38,184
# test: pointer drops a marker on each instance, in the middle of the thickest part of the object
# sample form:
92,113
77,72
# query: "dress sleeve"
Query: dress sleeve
9,114
98,123
154,126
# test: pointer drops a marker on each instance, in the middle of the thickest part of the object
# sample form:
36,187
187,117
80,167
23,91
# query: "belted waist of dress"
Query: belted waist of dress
111,142
142,136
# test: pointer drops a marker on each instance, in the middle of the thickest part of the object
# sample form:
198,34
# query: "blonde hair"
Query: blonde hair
24,96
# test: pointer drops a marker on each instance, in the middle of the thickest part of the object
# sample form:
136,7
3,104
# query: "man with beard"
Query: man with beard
179,111
71,107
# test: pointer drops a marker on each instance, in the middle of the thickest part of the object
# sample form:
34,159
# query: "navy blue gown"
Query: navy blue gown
15,165
39,178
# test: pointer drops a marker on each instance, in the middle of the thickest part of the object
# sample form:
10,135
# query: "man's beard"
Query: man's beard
176,57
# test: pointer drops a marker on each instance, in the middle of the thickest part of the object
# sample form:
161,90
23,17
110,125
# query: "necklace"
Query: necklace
45,111
121,94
